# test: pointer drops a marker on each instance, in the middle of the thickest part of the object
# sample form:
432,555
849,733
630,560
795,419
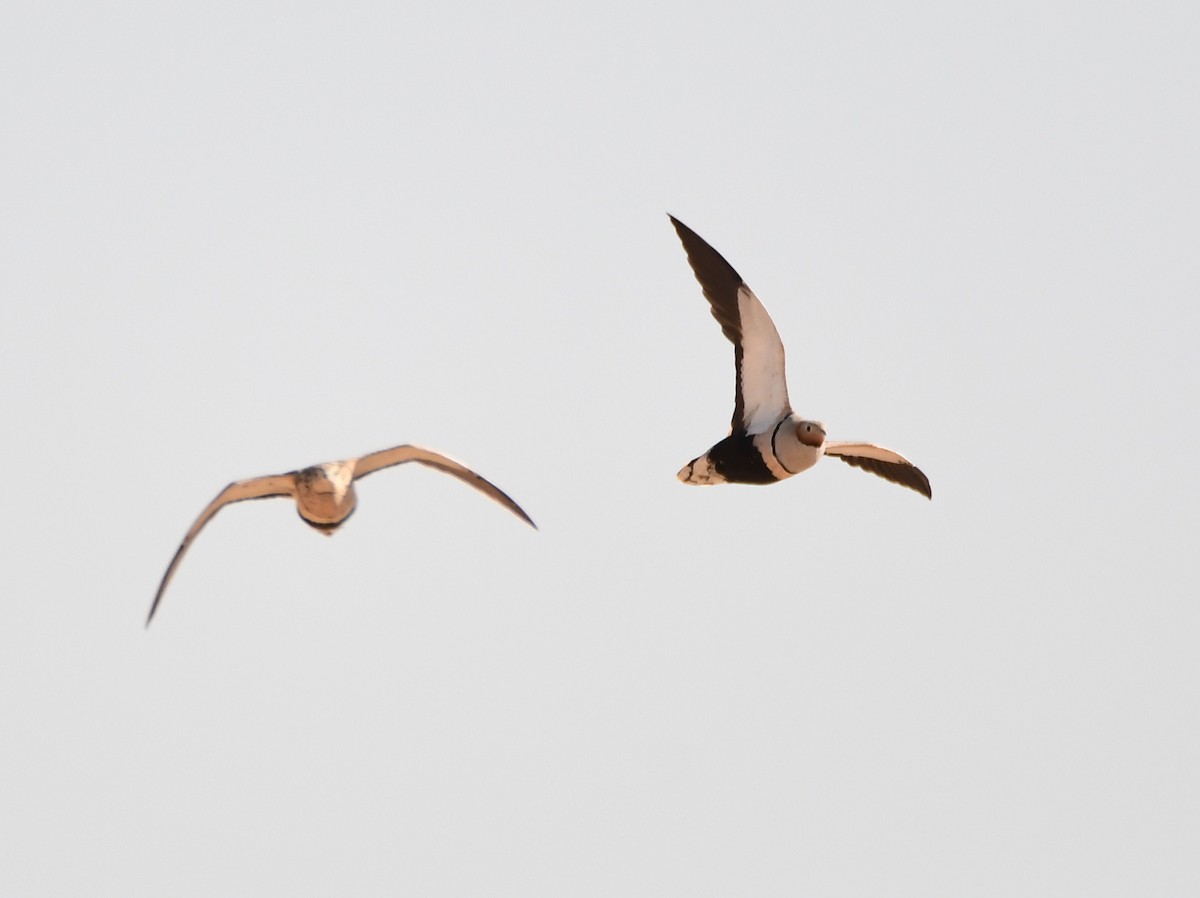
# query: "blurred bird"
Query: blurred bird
768,442
325,496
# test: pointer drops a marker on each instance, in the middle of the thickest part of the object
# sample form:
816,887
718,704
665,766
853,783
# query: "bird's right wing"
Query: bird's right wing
883,462
398,455
760,397
239,491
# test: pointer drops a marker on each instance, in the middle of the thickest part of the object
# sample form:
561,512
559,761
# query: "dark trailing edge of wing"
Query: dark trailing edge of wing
905,475
720,283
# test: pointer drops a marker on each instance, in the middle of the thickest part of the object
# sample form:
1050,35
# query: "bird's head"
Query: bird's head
330,479
314,480
811,433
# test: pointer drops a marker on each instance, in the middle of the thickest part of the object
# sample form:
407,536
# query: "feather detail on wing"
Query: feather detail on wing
884,462
761,397
398,455
239,491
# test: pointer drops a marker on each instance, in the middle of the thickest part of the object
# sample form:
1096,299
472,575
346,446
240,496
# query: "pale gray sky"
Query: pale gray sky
240,238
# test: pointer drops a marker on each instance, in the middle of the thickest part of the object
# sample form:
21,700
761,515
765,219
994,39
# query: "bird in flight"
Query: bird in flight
324,494
768,441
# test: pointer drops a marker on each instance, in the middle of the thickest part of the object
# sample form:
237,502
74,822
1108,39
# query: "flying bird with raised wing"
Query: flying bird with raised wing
768,442
324,494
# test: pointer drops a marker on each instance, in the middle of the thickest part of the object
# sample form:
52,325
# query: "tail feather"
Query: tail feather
700,472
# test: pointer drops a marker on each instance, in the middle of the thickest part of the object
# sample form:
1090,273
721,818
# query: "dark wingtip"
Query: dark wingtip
680,228
919,484
154,605
903,474
509,502
524,517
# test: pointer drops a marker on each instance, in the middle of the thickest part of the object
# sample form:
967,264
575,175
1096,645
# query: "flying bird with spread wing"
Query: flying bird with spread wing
768,442
324,494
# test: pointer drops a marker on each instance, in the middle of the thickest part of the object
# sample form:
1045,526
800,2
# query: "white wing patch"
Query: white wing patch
763,379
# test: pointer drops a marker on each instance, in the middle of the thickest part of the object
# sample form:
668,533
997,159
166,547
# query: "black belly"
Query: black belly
738,460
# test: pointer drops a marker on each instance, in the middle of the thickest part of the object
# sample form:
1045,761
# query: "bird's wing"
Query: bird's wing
761,397
239,491
398,455
887,464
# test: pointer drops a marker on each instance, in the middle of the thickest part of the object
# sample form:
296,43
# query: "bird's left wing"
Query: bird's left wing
760,396
887,464
239,491
398,455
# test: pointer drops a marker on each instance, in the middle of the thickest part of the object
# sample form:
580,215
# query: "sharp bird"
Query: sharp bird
768,441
